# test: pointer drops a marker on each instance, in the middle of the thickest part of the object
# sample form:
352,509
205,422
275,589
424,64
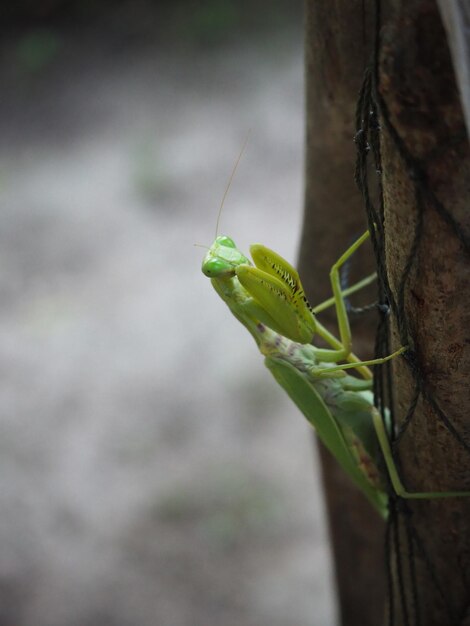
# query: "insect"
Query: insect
268,298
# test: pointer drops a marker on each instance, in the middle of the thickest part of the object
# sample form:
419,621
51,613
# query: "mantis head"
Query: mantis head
273,293
223,258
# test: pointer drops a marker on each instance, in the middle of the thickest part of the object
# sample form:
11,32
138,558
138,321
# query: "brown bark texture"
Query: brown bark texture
337,47
426,191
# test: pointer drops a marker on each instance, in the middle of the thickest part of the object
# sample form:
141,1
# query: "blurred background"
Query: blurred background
152,473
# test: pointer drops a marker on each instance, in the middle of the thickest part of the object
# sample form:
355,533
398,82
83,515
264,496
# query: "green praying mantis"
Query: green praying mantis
267,297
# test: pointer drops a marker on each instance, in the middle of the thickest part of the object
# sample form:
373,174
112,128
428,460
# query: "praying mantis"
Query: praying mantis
268,298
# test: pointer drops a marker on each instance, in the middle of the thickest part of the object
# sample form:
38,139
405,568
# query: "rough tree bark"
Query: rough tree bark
421,102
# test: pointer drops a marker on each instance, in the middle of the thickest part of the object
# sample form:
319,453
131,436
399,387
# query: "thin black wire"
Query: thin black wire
400,566
389,570
412,564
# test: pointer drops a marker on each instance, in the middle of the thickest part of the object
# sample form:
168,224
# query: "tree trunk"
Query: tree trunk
426,174
337,49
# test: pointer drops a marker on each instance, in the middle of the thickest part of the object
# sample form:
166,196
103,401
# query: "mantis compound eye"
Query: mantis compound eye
214,267
223,240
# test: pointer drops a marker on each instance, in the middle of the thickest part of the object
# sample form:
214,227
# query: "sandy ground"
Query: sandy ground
152,474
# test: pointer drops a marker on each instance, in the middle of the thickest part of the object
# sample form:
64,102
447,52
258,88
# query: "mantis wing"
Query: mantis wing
302,392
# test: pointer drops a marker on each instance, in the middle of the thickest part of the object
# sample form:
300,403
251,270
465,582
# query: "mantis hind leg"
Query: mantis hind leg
393,471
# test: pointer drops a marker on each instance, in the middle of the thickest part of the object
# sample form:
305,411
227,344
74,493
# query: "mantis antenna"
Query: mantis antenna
230,182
